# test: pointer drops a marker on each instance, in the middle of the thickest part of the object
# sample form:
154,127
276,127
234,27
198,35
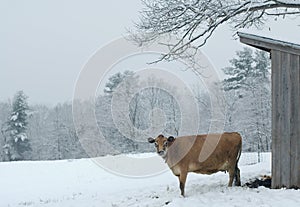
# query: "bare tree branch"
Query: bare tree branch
193,22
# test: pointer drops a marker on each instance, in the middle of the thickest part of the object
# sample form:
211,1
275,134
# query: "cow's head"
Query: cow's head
161,143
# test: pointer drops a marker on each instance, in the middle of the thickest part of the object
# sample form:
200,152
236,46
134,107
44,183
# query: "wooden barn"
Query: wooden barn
285,65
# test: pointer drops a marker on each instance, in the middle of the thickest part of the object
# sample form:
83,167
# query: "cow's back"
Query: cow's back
205,154
224,156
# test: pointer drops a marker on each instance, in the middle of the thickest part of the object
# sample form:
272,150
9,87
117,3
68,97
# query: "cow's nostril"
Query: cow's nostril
161,152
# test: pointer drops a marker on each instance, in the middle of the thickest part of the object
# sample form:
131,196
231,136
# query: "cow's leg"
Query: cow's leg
231,176
182,180
237,176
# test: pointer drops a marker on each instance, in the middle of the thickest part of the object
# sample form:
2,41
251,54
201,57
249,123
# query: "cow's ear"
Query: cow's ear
171,139
151,140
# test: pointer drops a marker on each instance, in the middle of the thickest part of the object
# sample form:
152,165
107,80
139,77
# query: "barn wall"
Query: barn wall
285,119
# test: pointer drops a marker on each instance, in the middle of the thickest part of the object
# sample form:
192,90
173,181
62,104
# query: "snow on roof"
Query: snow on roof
267,43
290,1
284,29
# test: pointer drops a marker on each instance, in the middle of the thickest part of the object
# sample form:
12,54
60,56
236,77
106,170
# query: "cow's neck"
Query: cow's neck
165,157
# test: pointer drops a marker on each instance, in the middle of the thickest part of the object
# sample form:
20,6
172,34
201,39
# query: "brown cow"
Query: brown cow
221,152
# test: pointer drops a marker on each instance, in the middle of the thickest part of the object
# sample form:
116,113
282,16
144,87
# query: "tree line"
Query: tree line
40,132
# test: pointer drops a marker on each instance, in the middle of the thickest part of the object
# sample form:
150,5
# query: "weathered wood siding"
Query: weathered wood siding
285,108
285,119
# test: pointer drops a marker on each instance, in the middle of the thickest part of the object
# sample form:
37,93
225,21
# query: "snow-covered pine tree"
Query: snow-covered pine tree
249,78
127,81
241,68
115,80
17,141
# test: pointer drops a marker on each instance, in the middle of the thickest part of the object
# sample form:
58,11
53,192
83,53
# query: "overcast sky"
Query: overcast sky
45,44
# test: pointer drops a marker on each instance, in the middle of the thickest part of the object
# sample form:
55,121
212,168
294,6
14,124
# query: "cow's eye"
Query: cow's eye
165,144
156,145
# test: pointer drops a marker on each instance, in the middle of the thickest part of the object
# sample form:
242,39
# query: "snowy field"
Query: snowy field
82,183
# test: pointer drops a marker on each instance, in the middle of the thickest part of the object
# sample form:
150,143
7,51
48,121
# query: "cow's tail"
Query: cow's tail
237,177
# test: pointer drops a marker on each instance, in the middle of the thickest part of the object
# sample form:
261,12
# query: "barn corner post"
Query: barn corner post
285,65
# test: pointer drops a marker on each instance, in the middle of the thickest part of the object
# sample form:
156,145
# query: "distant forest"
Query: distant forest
48,133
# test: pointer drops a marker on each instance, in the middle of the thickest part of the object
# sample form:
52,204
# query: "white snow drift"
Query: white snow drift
80,183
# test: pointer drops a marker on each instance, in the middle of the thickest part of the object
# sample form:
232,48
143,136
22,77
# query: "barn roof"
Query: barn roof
268,44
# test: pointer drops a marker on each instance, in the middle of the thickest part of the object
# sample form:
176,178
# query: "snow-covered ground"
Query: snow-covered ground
82,183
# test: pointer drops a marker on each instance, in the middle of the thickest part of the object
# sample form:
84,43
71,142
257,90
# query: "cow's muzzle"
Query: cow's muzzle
161,153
